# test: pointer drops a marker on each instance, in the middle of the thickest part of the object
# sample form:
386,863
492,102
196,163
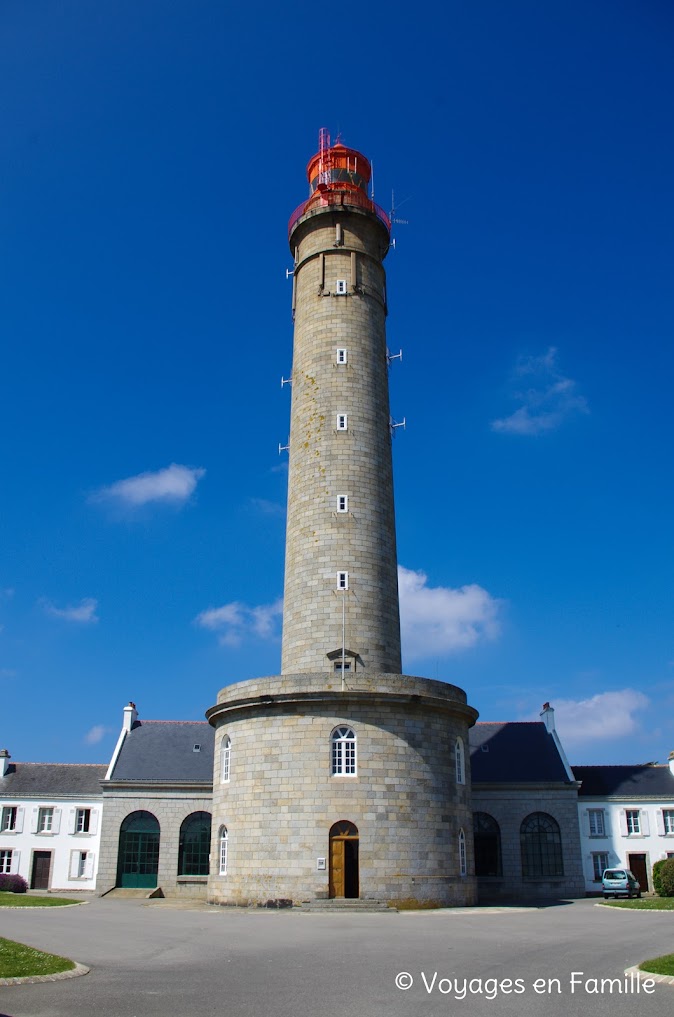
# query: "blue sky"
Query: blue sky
151,155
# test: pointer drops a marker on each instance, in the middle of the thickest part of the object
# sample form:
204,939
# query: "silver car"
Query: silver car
620,882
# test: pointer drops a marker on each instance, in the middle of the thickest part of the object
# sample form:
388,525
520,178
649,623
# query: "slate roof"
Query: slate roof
162,751
637,781
502,753
52,780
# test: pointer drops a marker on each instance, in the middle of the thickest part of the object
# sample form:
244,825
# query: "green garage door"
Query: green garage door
138,859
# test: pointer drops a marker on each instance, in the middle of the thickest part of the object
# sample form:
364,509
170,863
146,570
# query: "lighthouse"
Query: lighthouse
341,778
341,590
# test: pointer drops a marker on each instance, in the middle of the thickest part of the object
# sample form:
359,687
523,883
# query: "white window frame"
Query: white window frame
343,752
599,863
83,820
633,822
341,287
342,356
342,503
463,868
668,821
596,823
223,843
225,759
6,861
346,667
45,819
460,761
10,814
342,422
342,580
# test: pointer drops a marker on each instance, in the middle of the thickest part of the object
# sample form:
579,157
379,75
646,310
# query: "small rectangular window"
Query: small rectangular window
599,863
345,667
342,503
596,817
341,356
668,820
8,819
45,820
633,821
83,821
5,862
340,287
342,422
82,864
342,580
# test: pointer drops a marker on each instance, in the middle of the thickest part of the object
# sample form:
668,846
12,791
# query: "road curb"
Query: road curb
79,969
643,975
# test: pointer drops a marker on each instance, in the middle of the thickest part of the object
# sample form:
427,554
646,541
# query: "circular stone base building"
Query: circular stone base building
361,792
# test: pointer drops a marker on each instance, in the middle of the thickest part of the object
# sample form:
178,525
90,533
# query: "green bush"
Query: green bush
663,877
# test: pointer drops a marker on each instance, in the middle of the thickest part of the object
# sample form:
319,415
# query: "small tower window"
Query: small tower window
342,666
342,503
341,356
462,853
223,851
225,759
342,422
342,580
340,287
460,762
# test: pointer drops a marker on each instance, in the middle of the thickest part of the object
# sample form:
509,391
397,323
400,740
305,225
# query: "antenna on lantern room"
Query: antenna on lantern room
324,156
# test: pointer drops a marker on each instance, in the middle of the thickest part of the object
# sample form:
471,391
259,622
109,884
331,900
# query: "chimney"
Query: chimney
130,717
671,763
5,758
548,717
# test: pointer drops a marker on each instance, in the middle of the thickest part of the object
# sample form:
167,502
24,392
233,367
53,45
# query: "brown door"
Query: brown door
344,879
39,879
637,863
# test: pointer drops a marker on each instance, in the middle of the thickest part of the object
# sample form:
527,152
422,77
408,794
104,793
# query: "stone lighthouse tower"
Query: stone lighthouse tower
340,541
341,778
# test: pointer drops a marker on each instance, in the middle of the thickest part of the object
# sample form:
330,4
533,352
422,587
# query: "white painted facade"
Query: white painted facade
68,830
617,830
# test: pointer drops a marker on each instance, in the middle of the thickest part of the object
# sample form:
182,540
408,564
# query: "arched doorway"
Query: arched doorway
344,880
138,858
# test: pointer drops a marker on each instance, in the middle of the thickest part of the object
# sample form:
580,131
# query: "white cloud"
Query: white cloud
267,508
84,613
95,734
551,399
437,620
602,717
235,622
172,485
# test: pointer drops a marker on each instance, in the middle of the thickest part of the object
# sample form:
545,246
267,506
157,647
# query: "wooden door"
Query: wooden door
344,879
39,879
637,863
336,867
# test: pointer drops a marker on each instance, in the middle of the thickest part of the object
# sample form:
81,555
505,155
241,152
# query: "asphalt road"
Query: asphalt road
158,960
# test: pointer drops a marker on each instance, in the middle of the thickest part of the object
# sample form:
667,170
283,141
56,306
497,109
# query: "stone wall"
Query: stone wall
326,462
282,799
509,806
170,806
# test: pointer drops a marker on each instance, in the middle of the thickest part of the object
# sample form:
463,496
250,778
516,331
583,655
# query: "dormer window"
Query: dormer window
197,747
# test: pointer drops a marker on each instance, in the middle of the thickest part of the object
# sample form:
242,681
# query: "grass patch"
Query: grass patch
645,904
24,900
19,961
659,965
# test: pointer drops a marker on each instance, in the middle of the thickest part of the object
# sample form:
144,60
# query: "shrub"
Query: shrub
11,883
665,877
657,886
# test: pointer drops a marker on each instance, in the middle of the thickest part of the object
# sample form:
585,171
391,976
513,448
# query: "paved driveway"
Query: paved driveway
160,960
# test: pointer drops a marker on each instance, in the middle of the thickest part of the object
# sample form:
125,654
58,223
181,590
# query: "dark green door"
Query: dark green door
138,859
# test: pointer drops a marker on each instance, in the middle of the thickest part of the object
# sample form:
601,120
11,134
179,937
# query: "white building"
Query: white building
626,818
50,823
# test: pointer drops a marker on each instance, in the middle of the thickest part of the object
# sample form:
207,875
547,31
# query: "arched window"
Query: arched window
223,851
462,853
225,759
460,762
541,846
138,857
195,845
343,752
487,845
